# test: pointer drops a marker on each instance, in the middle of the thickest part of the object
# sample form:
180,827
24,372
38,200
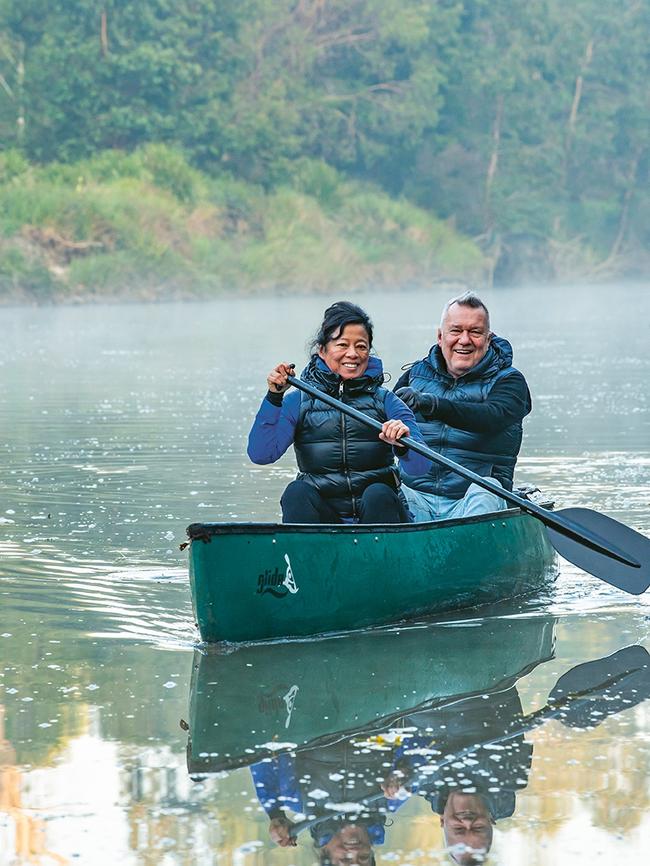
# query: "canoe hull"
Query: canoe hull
264,581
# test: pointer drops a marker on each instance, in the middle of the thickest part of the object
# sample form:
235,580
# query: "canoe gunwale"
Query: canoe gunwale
205,531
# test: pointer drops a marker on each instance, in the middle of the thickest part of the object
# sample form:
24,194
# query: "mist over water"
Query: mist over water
123,424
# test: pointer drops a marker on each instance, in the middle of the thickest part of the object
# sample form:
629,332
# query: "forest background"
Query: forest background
182,148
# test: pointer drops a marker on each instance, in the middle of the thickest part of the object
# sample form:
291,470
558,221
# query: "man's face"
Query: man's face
467,822
464,338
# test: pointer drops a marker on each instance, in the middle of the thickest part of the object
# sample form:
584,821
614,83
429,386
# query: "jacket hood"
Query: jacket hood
497,357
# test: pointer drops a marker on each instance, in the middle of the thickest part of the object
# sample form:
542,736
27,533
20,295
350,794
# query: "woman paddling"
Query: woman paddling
347,471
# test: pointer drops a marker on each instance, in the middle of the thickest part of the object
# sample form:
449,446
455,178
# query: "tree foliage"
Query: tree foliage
511,119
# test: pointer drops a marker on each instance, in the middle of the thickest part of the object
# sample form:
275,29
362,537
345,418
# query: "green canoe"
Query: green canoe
254,581
264,699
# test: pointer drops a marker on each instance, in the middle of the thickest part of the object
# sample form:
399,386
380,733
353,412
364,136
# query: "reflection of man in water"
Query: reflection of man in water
467,825
468,759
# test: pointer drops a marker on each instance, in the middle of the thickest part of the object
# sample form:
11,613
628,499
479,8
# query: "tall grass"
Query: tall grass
147,224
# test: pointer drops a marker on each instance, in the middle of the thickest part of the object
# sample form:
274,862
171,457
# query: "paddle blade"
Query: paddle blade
590,692
637,546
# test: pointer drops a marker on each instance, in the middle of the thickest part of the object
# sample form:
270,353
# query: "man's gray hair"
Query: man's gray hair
467,299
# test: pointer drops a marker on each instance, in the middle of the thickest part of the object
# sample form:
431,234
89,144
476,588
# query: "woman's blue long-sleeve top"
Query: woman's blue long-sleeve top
314,781
274,429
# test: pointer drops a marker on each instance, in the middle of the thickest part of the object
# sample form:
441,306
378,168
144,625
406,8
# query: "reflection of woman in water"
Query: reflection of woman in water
467,758
336,788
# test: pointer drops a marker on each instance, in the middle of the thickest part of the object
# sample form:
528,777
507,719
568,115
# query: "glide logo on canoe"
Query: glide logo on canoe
276,704
290,700
276,583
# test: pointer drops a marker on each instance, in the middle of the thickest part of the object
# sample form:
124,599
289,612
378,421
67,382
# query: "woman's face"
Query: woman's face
348,353
350,847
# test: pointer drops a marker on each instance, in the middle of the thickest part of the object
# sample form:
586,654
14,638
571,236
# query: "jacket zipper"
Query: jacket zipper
344,432
443,442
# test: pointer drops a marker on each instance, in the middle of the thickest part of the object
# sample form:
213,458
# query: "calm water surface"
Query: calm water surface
123,424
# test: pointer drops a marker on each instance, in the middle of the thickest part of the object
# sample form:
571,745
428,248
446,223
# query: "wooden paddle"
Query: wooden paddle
597,544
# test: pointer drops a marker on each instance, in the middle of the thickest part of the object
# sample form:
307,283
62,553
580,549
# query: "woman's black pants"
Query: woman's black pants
302,503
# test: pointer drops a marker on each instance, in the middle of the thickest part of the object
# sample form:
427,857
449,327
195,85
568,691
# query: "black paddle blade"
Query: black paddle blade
637,546
590,692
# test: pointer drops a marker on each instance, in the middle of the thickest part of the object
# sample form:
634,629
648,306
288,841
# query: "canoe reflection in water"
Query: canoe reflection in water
463,750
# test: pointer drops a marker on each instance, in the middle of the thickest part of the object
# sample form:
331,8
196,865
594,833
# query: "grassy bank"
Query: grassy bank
147,225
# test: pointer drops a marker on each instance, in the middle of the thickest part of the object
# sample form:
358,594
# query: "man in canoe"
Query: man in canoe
347,471
469,402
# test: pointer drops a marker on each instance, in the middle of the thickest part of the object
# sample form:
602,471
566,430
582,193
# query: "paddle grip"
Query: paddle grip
291,367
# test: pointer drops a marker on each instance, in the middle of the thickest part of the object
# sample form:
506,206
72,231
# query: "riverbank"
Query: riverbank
148,226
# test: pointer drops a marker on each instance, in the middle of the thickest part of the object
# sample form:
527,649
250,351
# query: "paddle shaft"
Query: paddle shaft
560,524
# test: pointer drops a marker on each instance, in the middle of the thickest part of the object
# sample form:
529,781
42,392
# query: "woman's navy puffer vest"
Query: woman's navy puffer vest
335,453
489,455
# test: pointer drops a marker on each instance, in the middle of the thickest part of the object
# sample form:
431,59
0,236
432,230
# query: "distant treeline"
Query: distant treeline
524,125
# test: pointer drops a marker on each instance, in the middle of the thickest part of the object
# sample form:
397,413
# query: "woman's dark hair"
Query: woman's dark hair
335,319
325,830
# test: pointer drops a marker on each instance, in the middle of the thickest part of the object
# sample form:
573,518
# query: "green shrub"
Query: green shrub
317,179
104,167
19,275
12,165
155,164
170,171
242,204
123,272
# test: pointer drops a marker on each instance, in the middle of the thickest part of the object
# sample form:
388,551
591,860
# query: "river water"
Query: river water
123,424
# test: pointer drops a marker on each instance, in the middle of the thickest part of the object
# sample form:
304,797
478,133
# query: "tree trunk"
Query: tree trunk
103,34
575,105
20,89
494,161
624,215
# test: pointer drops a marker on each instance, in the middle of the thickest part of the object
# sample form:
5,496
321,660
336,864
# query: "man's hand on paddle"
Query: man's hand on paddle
277,378
417,401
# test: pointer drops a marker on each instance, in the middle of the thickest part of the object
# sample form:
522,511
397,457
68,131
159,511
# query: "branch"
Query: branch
5,86
575,105
384,87
344,37
577,93
494,157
